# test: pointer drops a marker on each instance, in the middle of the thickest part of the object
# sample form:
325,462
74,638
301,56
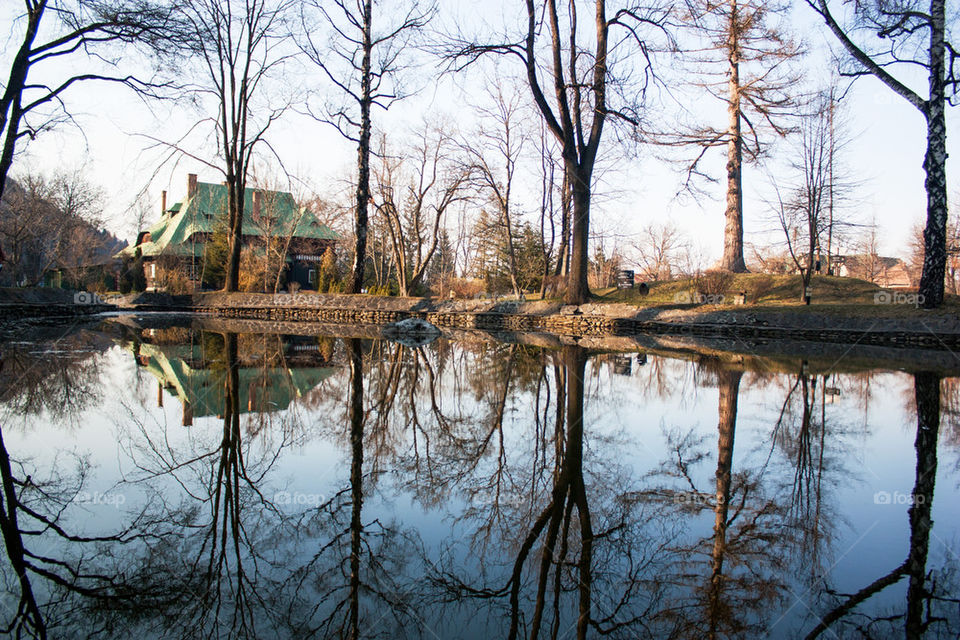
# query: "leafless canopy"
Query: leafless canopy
57,34
340,55
590,84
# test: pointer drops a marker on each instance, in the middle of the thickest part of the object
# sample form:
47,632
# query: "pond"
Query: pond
184,477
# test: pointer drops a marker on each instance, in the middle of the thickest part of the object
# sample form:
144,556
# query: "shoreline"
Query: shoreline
926,330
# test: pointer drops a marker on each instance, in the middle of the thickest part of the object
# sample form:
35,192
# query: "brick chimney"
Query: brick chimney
163,203
257,201
191,184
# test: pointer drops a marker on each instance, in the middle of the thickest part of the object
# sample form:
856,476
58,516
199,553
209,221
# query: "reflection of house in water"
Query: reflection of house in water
622,365
199,382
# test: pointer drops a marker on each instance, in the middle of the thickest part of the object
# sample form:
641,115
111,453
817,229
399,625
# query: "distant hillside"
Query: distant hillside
105,246
46,224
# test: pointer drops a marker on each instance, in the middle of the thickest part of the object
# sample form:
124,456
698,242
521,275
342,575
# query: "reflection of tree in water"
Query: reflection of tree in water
584,550
949,414
811,441
240,562
351,586
49,575
556,544
75,580
932,606
589,552
60,378
726,584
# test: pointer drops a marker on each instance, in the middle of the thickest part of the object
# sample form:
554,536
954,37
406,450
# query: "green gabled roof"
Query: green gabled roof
203,212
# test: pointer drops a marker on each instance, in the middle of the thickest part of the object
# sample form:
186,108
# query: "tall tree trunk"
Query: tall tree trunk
234,232
807,272
578,291
831,115
363,156
934,164
733,230
512,255
563,254
11,112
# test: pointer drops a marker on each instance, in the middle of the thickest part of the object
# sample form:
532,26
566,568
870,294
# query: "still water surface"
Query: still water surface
171,478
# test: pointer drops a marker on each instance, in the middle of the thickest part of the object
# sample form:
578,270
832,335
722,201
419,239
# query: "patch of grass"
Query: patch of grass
849,296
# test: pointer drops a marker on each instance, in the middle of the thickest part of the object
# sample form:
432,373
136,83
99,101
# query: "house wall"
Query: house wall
300,273
299,270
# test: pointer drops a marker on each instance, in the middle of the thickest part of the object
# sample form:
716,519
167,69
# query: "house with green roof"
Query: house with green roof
181,238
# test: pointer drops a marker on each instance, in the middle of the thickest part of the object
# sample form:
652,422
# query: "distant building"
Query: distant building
890,273
184,231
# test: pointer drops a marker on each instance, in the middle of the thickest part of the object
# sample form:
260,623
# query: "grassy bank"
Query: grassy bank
831,294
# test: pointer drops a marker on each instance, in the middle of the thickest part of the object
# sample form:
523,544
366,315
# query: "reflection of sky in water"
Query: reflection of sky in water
631,422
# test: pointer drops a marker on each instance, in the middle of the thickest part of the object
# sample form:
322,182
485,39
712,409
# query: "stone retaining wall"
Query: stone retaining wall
894,333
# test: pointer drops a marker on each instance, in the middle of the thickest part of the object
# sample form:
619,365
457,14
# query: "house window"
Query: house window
312,276
153,269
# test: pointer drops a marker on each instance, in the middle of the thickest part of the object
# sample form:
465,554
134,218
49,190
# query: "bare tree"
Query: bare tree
911,33
549,197
412,193
239,46
745,62
800,214
362,64
492,154
659,250
50,221
581,104
869,265
809,213
80,33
